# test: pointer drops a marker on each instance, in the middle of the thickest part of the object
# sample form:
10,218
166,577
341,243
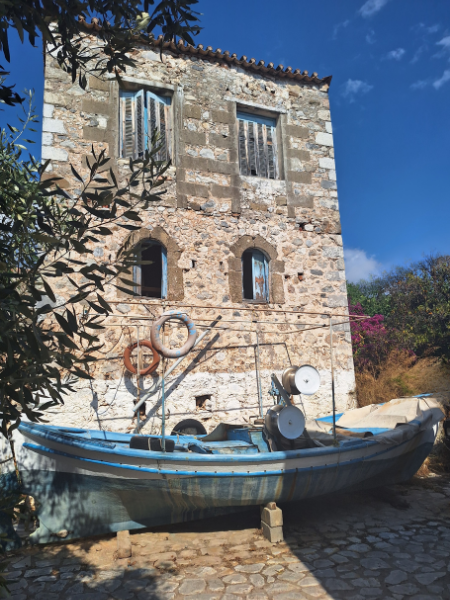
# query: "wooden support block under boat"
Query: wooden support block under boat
272,522
123,544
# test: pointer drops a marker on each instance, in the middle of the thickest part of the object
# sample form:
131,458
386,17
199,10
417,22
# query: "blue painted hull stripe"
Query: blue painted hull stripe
209,473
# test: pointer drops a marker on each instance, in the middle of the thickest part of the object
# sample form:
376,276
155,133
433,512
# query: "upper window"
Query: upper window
141,114
257,146
150,274
255,270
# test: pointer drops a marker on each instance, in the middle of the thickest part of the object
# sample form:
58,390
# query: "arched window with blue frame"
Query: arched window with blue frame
255,271
150,272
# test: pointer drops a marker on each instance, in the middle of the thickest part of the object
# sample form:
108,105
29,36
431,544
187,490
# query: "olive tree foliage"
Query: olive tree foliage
120,25
45,233
46,236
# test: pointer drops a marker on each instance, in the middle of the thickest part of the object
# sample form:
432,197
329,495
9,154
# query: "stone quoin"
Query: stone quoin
248,228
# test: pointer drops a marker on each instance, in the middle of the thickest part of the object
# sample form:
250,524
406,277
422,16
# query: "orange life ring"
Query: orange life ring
156,338
127,358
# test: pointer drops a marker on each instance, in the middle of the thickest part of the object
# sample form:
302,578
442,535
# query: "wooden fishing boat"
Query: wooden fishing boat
88,482
9,540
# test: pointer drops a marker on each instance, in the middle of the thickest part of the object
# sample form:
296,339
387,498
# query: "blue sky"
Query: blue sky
390,103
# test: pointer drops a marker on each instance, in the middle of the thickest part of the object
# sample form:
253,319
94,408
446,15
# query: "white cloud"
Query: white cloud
396,54
440,82
360,266
445,47
371,7
418,53
419,85
353,87
445,43
421,27
339,26
437,84
370,37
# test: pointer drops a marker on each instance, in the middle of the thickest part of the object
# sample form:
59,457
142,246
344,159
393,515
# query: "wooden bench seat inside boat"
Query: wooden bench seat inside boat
225,447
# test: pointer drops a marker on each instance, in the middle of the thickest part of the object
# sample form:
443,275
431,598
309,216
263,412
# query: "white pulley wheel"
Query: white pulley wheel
307,380
291,422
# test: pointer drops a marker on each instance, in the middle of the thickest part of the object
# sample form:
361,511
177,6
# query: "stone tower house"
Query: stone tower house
247,229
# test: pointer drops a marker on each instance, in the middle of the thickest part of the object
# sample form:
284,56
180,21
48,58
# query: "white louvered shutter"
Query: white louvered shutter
257,146
140,124
243,157
159,120
272,153
262,150
132,124
126,125
252,148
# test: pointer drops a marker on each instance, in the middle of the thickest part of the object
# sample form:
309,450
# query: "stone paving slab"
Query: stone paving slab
388,544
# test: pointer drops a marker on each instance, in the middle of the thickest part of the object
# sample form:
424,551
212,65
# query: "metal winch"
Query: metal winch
285,421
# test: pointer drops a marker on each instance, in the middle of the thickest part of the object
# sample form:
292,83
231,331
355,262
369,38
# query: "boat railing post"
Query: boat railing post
163,408
258,374
163,397
332,382
138,376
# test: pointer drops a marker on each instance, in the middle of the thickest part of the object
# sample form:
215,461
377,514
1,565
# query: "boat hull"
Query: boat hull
9,494
82,497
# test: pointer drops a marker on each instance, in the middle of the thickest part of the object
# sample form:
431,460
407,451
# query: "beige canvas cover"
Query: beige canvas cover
404,417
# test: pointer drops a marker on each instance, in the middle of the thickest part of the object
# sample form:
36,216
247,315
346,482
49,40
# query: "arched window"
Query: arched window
255,270
150,275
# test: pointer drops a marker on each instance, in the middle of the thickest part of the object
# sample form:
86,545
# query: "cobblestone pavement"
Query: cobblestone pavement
392,543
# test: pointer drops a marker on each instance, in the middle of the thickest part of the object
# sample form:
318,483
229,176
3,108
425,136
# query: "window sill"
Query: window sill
253,177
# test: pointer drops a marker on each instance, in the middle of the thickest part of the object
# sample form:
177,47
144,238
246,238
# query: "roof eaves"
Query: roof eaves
208,53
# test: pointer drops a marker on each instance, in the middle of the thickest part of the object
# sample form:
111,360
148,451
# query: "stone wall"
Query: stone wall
207,218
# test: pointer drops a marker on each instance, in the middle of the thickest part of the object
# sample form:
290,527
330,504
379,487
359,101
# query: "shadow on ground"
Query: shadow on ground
391,543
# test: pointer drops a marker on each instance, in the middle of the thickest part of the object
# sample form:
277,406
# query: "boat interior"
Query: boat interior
224,439
375,423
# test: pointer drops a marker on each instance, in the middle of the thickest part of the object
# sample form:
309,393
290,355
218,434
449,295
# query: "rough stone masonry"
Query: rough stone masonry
210,215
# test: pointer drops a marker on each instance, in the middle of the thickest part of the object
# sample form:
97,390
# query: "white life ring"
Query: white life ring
156,337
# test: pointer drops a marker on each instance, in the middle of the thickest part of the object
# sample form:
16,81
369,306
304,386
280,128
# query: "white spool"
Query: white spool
307,380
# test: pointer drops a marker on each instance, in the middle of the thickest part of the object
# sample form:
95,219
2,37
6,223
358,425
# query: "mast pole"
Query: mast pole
258,373
332,382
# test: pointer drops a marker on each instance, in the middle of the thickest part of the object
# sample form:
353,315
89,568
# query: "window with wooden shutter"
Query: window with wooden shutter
150,274
158,120
142,113
255,276
257,146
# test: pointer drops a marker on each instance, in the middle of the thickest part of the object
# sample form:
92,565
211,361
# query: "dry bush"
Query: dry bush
390,382
403,375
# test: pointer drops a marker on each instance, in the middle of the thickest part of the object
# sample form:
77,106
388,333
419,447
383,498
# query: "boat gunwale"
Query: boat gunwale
87,444
192,473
